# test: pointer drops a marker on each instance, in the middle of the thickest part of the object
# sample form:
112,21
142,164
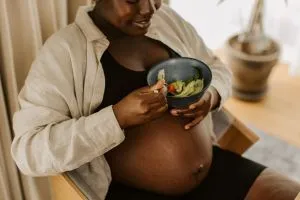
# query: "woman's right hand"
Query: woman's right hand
141,105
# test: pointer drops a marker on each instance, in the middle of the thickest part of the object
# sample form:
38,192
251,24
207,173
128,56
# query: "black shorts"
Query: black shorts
230,178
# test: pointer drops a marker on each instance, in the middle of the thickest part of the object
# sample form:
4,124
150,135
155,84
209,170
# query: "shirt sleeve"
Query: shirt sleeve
48,140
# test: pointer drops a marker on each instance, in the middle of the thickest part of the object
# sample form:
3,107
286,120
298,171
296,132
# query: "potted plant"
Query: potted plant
251,55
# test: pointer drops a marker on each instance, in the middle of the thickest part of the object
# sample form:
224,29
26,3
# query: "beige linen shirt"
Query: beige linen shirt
57,129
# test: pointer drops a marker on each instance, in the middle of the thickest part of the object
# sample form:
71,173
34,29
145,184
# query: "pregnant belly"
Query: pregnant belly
161,156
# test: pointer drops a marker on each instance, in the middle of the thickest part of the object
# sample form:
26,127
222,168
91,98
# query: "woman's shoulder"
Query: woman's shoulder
67,38
63,50
165,8
168,19
167,14
66,43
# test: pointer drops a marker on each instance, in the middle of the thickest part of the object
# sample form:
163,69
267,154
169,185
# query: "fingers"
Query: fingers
193,123
177,112
160,105
196,111
162,109
154,103
159,85
197,104
200,105
194,115
204,100
154,98
157,105
158,109
154,88
181,112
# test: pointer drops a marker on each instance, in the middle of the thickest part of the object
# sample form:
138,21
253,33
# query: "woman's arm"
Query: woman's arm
48,140
221,74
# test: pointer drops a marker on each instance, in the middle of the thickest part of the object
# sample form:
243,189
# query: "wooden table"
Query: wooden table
279,113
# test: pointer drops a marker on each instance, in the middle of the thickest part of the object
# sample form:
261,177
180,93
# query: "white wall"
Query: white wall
216,23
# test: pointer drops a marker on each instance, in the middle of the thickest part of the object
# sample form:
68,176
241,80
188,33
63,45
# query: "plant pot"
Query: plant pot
250,72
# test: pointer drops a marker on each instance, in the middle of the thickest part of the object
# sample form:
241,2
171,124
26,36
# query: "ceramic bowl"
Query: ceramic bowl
181,69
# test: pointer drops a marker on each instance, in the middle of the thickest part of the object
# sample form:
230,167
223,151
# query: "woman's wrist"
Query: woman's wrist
119,116
215,98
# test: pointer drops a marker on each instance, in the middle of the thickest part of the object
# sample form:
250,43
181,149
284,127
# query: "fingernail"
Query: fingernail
186,127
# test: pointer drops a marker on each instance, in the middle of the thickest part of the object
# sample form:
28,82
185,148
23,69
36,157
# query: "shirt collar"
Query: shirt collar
86,24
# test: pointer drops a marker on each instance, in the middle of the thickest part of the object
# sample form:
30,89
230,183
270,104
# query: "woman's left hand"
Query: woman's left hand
198,111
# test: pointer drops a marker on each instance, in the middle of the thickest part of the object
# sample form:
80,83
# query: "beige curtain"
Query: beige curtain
24,26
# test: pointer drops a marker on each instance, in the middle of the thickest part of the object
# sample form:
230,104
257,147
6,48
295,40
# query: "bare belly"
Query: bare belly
161,156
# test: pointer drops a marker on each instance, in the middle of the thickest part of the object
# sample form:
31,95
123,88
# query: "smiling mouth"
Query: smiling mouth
142,24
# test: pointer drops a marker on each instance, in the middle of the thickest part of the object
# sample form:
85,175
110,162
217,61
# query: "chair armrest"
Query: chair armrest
234,135
70,186
64,188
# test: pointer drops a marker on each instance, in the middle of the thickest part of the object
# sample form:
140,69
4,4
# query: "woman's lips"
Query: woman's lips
142,24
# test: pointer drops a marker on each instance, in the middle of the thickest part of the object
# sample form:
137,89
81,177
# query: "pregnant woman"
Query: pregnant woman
86,106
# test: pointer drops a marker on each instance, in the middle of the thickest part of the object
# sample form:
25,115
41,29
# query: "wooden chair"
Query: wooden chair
231,134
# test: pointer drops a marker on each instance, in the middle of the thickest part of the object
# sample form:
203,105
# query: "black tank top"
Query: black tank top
120,81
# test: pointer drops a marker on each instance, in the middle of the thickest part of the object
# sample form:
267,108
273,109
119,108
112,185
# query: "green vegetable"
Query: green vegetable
199,84
179,85
161,75
191,88
182,88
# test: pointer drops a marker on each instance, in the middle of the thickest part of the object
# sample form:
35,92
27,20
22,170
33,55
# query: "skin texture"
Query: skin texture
173,141
117,17
271,185
161,156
